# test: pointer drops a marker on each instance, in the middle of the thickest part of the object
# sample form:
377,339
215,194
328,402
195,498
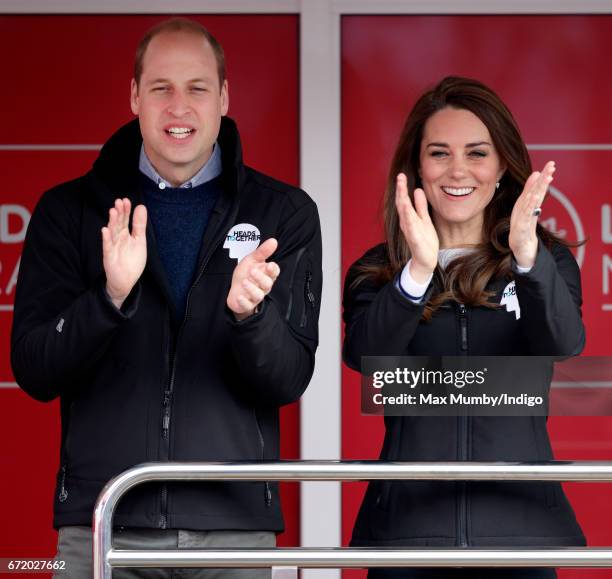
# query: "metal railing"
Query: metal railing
285,562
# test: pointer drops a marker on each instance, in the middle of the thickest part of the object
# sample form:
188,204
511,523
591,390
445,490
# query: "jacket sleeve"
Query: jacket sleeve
550,298
61,326
379,320
275,348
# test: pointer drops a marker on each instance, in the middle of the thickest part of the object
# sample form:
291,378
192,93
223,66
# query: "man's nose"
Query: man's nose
178,104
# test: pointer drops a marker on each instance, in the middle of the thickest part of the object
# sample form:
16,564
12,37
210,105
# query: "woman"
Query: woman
461,218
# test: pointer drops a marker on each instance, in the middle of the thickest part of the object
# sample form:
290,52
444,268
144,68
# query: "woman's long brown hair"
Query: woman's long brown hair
465,279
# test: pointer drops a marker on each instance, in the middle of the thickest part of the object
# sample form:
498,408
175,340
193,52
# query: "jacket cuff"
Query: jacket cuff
128,307
409,287
402,296
543,260
259,313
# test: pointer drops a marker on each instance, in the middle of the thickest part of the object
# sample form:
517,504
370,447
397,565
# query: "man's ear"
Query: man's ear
224,98
134,99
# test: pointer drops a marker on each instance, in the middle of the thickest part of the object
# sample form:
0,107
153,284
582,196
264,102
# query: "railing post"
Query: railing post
284,573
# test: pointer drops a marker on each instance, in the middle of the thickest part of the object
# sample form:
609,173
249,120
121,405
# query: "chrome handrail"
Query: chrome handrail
286,561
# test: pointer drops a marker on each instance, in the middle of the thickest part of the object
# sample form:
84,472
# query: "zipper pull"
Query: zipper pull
309,295
463,325
166,417
63,494
268,495
309,299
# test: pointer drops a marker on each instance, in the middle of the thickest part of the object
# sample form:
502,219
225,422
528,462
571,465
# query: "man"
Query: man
176,339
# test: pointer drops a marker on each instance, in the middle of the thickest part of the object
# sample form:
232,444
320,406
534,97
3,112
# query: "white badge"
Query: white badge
241,240
510,300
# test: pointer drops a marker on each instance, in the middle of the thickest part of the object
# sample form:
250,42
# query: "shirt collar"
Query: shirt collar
211,169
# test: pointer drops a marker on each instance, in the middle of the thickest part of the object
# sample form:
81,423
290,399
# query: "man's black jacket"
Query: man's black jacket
134,386
382,322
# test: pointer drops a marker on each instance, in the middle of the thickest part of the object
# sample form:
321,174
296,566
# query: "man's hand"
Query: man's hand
522,239
252,280
124,255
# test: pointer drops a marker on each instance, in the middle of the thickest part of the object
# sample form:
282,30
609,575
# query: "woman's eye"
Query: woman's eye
438,153
478,154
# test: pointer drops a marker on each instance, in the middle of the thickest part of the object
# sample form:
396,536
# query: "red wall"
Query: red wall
67,81
553,72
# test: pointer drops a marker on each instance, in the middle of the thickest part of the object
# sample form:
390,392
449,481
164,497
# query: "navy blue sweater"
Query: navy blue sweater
179,218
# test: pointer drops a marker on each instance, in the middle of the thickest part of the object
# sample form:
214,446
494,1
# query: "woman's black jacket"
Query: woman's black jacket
380,321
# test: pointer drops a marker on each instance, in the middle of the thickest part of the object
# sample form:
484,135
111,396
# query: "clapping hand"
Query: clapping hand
418,230
124,254
252,280
522,239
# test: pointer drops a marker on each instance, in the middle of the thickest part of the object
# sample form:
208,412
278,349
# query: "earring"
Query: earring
497,185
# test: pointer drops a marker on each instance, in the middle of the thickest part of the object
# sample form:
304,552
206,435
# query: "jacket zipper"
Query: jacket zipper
63,493
165,429
166,402
168,392
309,300
462,426
462,500
267,491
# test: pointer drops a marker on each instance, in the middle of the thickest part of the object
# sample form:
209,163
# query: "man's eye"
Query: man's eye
160,89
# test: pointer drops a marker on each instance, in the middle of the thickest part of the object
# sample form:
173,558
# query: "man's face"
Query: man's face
179,104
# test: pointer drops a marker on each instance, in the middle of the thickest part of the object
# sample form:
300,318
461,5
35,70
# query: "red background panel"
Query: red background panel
67,82
72,84
550,71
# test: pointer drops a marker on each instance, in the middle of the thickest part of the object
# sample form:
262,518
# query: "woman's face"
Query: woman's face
459,168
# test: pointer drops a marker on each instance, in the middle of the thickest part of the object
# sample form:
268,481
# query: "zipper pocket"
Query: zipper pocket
309,299
63,493
267,490
292,281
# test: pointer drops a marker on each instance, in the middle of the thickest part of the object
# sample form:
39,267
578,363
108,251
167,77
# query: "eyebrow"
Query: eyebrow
469,145
190,81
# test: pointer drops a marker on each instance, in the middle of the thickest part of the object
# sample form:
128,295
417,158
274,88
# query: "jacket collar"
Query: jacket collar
116,168
115,174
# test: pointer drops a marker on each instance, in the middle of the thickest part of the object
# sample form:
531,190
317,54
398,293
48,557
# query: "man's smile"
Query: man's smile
178,132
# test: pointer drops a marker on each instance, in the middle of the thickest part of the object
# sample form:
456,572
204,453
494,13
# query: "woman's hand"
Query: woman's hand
523,240
418,230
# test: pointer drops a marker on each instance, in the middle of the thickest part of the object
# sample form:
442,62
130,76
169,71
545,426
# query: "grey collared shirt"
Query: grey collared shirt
211,169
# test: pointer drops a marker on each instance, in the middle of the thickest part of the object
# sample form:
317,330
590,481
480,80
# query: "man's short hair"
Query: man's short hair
179,24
